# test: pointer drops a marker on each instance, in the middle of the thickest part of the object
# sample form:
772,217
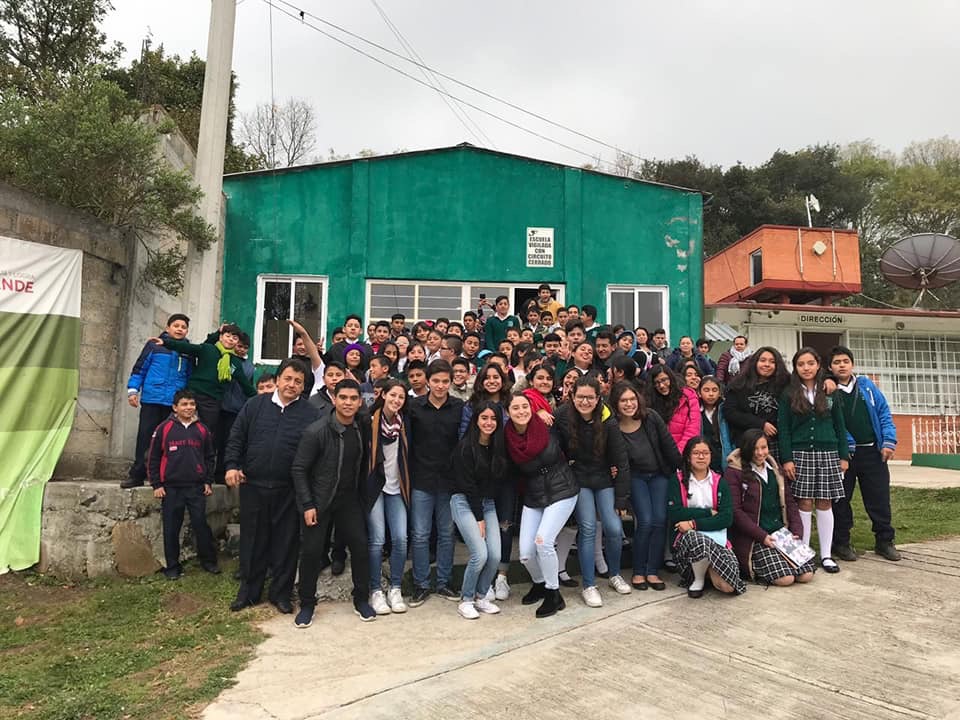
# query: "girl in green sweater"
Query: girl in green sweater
700,509
813,449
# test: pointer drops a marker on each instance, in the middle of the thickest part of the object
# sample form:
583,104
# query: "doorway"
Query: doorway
521,296
822,342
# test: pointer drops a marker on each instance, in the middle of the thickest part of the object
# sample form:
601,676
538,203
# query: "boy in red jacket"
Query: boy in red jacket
181,462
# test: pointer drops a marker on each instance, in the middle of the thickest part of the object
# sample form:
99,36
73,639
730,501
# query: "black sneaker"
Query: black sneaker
174,573
419,597
211,567
448,594
338,566
845,552
364,610
888,550
304,618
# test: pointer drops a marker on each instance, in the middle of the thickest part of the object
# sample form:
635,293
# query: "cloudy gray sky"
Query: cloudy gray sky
726,81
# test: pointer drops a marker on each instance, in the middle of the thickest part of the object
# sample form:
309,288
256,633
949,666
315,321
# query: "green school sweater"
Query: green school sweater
701,516
203,379
495,329
811,431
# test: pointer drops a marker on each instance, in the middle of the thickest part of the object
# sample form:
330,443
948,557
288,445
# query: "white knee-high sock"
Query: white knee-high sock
699,574
825,531
806,519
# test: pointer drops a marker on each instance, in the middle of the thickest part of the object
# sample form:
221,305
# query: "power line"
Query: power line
462,116
303,14
299,17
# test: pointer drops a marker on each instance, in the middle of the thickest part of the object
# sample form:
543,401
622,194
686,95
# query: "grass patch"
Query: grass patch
120,648
918,515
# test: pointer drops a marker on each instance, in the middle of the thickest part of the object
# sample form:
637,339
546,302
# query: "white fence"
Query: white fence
936,435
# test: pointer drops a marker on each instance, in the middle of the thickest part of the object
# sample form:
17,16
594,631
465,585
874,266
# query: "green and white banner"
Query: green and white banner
39,379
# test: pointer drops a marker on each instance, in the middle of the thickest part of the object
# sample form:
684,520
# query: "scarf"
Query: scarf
524,448
224,369
390,431
737,357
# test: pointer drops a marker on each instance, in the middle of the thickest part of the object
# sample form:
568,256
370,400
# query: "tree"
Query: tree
280,136
177,85
85,148
43,43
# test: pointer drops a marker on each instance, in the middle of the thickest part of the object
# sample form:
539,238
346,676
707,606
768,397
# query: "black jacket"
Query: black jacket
548,477
318,465
181,456
264,439
433,433
593,472
745,409
473,475
664,447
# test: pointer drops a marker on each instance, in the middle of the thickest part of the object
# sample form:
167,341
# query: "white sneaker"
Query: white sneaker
379,603
468,610
395,600
591,596
490,596
620,585
486,606
501,589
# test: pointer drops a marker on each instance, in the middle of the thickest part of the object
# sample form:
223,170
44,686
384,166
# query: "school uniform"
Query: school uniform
815,444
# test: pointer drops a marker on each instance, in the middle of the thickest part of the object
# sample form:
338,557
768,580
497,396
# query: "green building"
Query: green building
425,233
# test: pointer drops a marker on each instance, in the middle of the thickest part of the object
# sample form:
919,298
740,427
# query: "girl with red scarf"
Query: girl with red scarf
549,499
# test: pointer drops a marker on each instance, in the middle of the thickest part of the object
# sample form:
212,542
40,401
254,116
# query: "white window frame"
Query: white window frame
262,281
756,254
664,291
466,292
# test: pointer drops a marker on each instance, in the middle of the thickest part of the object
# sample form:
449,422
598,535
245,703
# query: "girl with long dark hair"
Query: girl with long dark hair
387,495
591,439
762,505
753,396
700,510
813,448
653,458
677,404
479,465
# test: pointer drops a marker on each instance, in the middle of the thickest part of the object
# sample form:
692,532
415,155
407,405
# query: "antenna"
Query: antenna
812,204
922,262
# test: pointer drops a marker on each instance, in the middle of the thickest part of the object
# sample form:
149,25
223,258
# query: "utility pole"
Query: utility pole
202,293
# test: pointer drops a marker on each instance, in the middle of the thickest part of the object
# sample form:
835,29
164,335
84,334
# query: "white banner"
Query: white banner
539,247
39,279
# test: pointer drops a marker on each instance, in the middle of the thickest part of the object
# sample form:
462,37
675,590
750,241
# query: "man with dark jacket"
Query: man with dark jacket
259,454
326,475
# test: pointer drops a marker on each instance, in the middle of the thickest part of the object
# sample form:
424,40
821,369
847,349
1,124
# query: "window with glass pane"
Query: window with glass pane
622,309
649,309
439,301
307,299
387,299
638,306
275,336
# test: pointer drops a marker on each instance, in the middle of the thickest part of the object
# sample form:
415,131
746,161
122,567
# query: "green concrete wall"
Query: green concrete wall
459,214
947,462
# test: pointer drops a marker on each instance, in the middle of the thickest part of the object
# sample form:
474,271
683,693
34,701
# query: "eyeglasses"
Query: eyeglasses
700,453
583,399
662,381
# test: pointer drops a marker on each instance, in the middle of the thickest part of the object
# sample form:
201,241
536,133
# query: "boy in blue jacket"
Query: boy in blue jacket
181,462
157,375
872,438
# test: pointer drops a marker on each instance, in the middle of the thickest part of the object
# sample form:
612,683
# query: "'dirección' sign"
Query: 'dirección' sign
539,247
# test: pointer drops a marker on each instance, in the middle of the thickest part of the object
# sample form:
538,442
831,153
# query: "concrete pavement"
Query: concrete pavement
878,640
904,475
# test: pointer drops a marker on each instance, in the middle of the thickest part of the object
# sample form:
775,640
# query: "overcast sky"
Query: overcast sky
725,81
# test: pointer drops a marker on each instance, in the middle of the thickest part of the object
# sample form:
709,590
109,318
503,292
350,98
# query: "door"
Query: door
822,342
521,296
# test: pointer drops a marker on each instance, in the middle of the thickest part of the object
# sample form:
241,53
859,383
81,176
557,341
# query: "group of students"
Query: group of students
369,445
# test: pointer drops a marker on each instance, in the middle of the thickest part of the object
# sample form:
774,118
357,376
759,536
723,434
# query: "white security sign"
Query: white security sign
539,247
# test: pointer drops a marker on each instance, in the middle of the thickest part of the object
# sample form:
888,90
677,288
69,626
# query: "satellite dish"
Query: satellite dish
922,262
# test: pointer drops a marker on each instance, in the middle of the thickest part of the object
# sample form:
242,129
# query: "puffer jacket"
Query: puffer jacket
746,491
548,477
593,472
685,422
159,373
318,464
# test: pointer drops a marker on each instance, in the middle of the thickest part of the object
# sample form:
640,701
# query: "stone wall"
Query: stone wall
92,529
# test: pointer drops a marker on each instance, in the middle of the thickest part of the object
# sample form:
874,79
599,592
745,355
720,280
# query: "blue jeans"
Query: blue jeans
484,551
539,528
387,510
648,495
424,508
589,503
506,502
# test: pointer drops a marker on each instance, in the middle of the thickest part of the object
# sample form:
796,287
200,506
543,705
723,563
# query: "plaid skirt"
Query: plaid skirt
774,446
770,564
818,475
693,546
